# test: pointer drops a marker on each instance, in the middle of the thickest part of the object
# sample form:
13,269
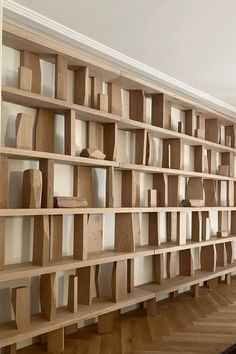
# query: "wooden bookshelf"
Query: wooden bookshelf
210,137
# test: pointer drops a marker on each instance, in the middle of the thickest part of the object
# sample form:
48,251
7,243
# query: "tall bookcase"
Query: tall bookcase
178,261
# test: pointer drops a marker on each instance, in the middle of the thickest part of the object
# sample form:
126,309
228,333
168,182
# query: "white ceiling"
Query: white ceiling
193,41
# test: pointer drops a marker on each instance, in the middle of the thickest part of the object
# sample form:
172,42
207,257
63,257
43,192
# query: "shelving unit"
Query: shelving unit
181,261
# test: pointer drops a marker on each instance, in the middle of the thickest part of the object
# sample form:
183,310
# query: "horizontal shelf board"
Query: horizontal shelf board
34,100
15,153
74,211
171,171
27,269
38,326
158,132
181,281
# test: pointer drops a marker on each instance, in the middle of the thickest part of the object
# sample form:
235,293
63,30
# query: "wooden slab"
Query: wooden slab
4,181
21,306
73,293
31,61
158,268
41,242
25,78
69,132
102,102
61,65
114,99
208,258
110,197
70,202
197,226
124,233
24,131
153,229
119,281
80,236
171,264
137,110
81,88
110,132
175,156
96,94
186,264
161,111
55,341
86,280
83,183
46,166
160,183
212,132
95,233
129,189
56,233
48,296
32,188
45,121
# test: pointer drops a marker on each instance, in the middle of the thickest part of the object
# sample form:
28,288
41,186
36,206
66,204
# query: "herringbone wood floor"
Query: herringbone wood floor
185,325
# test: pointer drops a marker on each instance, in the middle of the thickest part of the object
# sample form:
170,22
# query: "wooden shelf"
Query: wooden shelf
181,281
38,326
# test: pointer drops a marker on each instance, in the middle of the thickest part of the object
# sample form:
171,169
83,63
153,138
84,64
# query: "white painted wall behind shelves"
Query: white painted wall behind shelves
191,40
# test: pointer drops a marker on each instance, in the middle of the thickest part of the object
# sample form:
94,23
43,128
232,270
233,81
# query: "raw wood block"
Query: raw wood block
2,241
105,322
181,127
140,146
199,158
71,329
171,226
73,293
210,192
4,181
213,283
224,170
55,341
48,296
171,264
69,132
93,154
196,226
31,61
189,119
95,233
114,99
61,65
161,111
175,156
95,135
56,227
102,102
206,231
119,281
150,150
129,189
130,275
46,166
223,224
10,349
21,306
137,110
153,231
186,266
110,198
41,243
83,183
96,92
85,279
80,236
230,193
194,189
124,233
32,189
70,202
195,290
221,255
230,133
24,131
110,132
24,78
152,197
212,132
173,191
181,228
227,158
211,158
151,307
192,203
158,268
81,88
228,279
45,122
160,183
230,252
208,258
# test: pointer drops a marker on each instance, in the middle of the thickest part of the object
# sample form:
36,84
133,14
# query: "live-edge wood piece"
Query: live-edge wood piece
32,188
85,281
124,233
73,293
4,181
55,341
194,188
24,131
208,258
159,268
80,236
223,224
93,153
46,166
221,255
171,264
81,85
140,146
45,122
206,231
21,306
230,193
129,189
70,202
56,231
25,78
69,132
137,110
181,228
114,99
61,64
110,132
161,111
48,296
173,191
186,265
41,242
119,280
31,61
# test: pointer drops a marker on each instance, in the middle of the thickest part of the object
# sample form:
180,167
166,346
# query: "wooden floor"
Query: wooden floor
185,325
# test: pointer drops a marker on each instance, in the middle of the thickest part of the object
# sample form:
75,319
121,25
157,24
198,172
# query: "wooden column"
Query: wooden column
4,181
110,132
160,183
208,258
48,296
161,111
96,89
186,266
140,146
129,189
110,198
45,122
124,233
137,110
80,236
21,306
31,61
2,242
81,88
69,132
73,293
55,341
47,168
158,268
85,281
61,77
83,183
114,99
153,229
56,238
119,280
41,243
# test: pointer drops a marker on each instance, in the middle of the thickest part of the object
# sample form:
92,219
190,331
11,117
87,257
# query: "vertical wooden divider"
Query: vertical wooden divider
227,158
73,293
223,223
129,189
10,349
55,341
56,228
45,122
48,296
85,281
174,148
110,187
24,131
211,195
221,255
124,233
114,99
211,158
160,183
46,166
137,110
230,193
233,223
83,183
2,241
80,236
206,231
25,78
196,226
199,158
21,306
31,61
140,146
173,191
171,226
119,280
161,111
110,141
95,135
153,229
158,268
130,275
229,252
96,89
171,263
4,181
41,243
230,136
61,77
189,122
81,86
181,228
212,130
150,147
208,258
69,132
186,265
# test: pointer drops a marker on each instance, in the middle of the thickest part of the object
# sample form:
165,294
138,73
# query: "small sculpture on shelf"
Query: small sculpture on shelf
70,202
93,153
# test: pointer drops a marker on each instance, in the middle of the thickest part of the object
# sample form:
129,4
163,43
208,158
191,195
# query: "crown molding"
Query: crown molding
36,21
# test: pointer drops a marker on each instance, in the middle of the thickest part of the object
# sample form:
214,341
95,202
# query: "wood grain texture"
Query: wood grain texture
55,341
119,281
81,88
46,166
83,183
56,235
137,110
32,186
48,296
24,78
61,77
31,61
24,131
80,236
21,306
41,242
208,258
69,132
96,93
124,233
2,242
161,111
45,121
85,280
110,132
114,99
73,293
4,181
